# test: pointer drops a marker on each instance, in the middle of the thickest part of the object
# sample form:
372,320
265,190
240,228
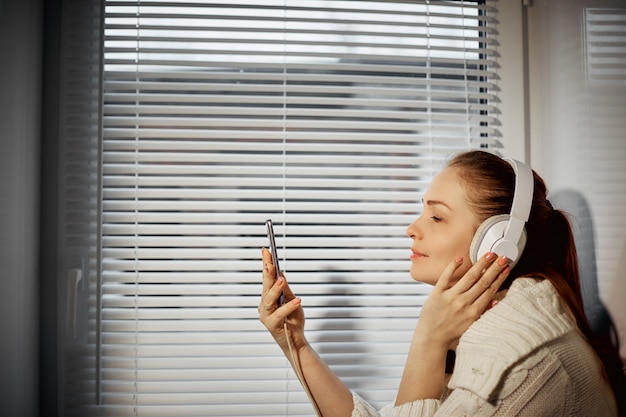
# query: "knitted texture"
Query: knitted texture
530,317
524,357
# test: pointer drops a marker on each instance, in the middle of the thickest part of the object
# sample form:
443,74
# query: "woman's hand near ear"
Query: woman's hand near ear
448,312
453,306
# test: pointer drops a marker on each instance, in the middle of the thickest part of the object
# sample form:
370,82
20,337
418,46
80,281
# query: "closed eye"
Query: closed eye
436,219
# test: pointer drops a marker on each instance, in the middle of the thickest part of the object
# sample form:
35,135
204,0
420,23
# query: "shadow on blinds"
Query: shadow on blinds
574,203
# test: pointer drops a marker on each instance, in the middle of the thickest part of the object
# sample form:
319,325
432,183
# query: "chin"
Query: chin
423,278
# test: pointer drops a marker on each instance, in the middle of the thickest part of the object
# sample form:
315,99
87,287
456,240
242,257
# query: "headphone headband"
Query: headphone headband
505,234
524,184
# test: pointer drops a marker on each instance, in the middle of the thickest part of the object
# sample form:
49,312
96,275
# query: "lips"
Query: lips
415,254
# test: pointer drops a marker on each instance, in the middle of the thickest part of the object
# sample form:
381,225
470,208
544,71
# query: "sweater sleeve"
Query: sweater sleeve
420,408
540,385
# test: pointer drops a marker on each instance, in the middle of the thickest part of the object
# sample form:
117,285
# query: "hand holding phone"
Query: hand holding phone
274,251
281,300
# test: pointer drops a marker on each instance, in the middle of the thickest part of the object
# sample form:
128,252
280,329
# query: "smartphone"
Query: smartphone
274,252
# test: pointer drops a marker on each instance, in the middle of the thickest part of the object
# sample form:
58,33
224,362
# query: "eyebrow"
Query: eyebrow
435,202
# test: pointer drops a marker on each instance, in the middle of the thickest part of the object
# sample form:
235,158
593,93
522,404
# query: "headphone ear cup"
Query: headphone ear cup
487,234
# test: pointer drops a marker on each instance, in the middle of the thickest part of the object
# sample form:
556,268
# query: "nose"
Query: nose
413,231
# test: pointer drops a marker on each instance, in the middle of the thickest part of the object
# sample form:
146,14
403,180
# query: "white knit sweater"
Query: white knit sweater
524,357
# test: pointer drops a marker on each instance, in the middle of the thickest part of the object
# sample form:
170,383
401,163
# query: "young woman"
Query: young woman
523,345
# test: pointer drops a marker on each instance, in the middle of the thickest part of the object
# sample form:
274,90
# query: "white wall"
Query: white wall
578,140
20,73
511,80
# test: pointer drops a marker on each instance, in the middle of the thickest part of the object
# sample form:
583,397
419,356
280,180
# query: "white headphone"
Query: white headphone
505,234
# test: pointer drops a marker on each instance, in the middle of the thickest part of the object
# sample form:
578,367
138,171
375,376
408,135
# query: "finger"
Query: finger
487,285
475,273
483,301
273,314
446,279
269,298
286,289
269,270
289,308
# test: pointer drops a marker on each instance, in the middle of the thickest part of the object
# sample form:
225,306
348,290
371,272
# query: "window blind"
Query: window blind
330,117
604,52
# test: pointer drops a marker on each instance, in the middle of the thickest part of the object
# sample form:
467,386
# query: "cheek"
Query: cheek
465,241
462,249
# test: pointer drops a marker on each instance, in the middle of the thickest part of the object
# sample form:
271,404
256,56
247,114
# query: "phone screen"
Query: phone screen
274,252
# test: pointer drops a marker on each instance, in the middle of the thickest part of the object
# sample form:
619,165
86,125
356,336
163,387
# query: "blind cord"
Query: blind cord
295,360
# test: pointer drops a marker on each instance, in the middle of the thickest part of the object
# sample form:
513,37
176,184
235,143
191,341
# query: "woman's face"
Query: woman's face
444,231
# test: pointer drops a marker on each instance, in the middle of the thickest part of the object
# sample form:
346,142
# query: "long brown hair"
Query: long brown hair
550,251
